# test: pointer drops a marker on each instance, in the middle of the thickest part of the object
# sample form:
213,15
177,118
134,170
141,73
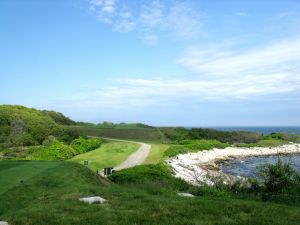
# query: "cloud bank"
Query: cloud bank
218,74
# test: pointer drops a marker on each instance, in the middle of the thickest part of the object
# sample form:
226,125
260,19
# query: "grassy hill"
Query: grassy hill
50,190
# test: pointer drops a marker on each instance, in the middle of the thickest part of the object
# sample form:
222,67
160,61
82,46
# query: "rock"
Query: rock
186,195
203,167
92,200
3,223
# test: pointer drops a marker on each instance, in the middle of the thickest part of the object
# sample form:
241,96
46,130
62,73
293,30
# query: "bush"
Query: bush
55,150
268,142
158,173
176,150
280,178
204,144
82,145
193,146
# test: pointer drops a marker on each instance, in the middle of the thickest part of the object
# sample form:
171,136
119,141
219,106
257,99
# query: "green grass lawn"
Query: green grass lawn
108,155
13,172
157,153
50,197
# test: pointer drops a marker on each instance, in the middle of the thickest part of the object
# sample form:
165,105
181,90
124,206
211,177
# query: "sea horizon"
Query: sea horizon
256,129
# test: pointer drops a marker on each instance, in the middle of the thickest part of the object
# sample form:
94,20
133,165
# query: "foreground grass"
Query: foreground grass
108,155
51,197
157,153
13,173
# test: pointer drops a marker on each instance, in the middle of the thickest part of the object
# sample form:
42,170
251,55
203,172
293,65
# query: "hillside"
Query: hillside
126,131
22,126
41,193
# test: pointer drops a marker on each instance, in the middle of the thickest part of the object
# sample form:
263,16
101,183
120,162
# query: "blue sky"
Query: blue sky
161,62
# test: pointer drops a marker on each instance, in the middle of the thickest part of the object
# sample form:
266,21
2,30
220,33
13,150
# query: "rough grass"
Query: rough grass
126,133
51,197
264,143
108,155
156,154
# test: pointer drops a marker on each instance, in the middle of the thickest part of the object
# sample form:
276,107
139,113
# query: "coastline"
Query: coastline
203,167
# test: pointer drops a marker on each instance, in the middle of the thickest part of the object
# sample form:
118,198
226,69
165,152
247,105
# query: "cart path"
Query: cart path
136,158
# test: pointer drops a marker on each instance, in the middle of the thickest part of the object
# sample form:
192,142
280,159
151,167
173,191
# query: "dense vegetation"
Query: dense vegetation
21,126
83,145
177,135
59,118
41,193
193,146
280,178
52,149
126,132
55,150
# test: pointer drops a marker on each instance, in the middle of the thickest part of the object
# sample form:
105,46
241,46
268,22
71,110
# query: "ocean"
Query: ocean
247,167
262,130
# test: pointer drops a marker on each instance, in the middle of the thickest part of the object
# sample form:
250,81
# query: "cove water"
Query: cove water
247,167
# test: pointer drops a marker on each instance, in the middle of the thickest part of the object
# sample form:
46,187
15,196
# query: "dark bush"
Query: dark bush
82,145
280,178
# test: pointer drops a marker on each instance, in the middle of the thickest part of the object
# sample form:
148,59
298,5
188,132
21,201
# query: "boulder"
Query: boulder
3,223
92,200
186,195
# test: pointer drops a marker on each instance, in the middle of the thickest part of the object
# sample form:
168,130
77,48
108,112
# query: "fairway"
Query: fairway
13,172
157,153
108,155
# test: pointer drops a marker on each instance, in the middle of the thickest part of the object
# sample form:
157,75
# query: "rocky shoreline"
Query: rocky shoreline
204,167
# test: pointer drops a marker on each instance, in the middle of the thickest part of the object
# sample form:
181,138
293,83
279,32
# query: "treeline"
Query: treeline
178,135
21,126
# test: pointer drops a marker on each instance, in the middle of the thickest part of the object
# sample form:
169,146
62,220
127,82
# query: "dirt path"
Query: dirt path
136,158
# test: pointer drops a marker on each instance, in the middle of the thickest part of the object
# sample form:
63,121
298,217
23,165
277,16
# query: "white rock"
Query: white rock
186,195
191,166
92,200
3,223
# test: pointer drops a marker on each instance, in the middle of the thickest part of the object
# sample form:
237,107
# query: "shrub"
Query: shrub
204,144
55,150
280,178
176,150
158,173
82,145
193,146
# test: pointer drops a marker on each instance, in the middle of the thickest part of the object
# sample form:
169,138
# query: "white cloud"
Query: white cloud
152,15
219,74
183,20
154,18
279,56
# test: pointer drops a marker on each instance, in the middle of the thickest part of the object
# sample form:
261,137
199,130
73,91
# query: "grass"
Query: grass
108,155
13,172
193,146
157,153
264,143
51,197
